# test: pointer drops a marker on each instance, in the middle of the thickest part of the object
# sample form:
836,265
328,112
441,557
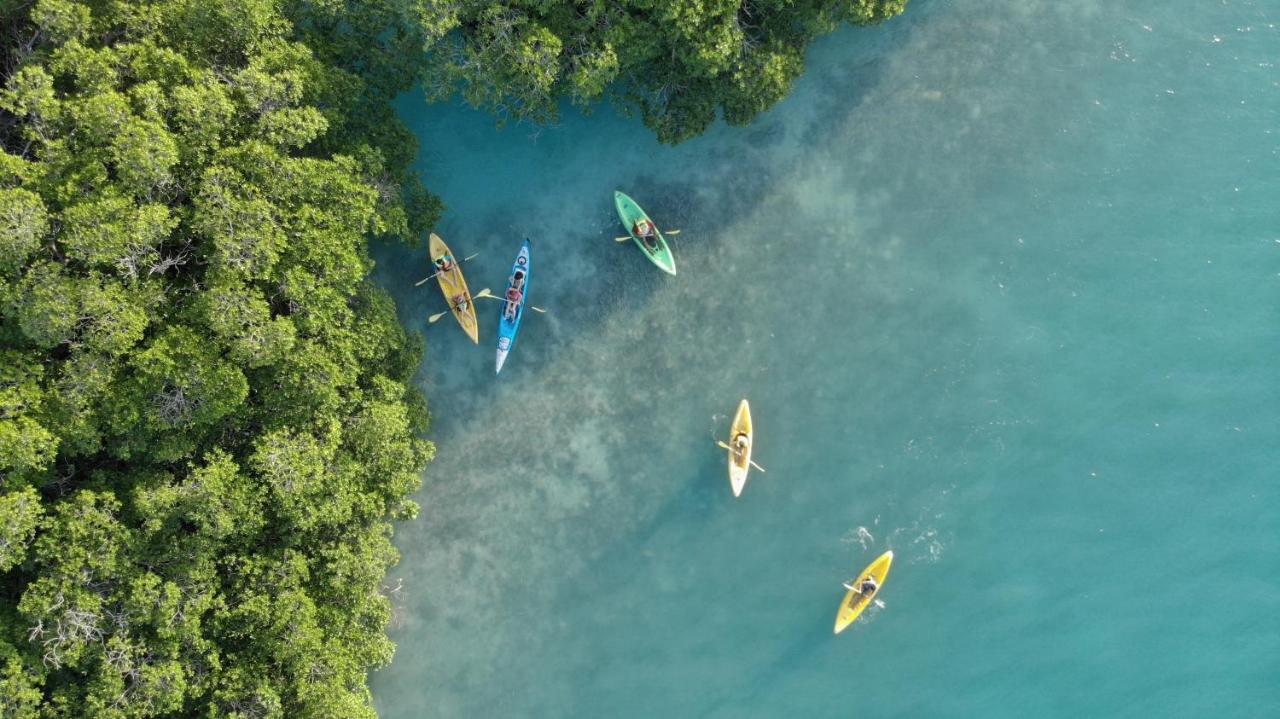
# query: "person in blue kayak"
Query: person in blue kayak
647,233
515,293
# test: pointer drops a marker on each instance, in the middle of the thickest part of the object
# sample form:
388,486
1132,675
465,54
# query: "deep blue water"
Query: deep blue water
1001,282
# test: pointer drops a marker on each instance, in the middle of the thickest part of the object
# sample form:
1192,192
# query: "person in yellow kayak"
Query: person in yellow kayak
740,445
460,302
514,294
444,263
647,233
866,587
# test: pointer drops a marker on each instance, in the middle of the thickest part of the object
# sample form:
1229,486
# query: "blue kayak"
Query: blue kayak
513,304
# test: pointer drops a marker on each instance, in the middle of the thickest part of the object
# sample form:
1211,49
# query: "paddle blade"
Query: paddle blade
669,233
621,239
753,464
724,446
436,317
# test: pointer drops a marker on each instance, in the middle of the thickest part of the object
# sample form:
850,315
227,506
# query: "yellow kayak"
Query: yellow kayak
855,601
454,288
740,462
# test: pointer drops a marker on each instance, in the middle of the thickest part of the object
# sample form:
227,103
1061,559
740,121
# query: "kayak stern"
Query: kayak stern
503,351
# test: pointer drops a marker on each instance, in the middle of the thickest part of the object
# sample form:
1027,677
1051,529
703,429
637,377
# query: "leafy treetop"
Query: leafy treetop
206,421
676,62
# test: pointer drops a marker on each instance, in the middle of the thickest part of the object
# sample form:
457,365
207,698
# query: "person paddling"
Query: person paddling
515,293
740,445
647,233
867,587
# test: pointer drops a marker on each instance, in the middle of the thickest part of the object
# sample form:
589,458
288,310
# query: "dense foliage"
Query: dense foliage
206,422
678,62
205,425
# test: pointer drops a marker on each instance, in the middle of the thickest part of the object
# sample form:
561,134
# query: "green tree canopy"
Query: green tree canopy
677,63
206,421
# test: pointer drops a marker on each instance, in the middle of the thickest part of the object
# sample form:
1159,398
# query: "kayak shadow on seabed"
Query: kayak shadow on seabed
793,658
704,495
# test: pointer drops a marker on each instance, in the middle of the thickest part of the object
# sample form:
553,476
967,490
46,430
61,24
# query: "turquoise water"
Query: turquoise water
1001,280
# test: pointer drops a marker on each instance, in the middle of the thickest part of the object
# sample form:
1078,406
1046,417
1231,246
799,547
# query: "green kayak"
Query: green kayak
657,252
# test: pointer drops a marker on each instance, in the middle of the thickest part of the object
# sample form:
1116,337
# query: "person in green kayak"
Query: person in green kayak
866,587
647,233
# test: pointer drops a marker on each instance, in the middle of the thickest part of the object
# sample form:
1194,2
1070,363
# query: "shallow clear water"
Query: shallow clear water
1001,282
